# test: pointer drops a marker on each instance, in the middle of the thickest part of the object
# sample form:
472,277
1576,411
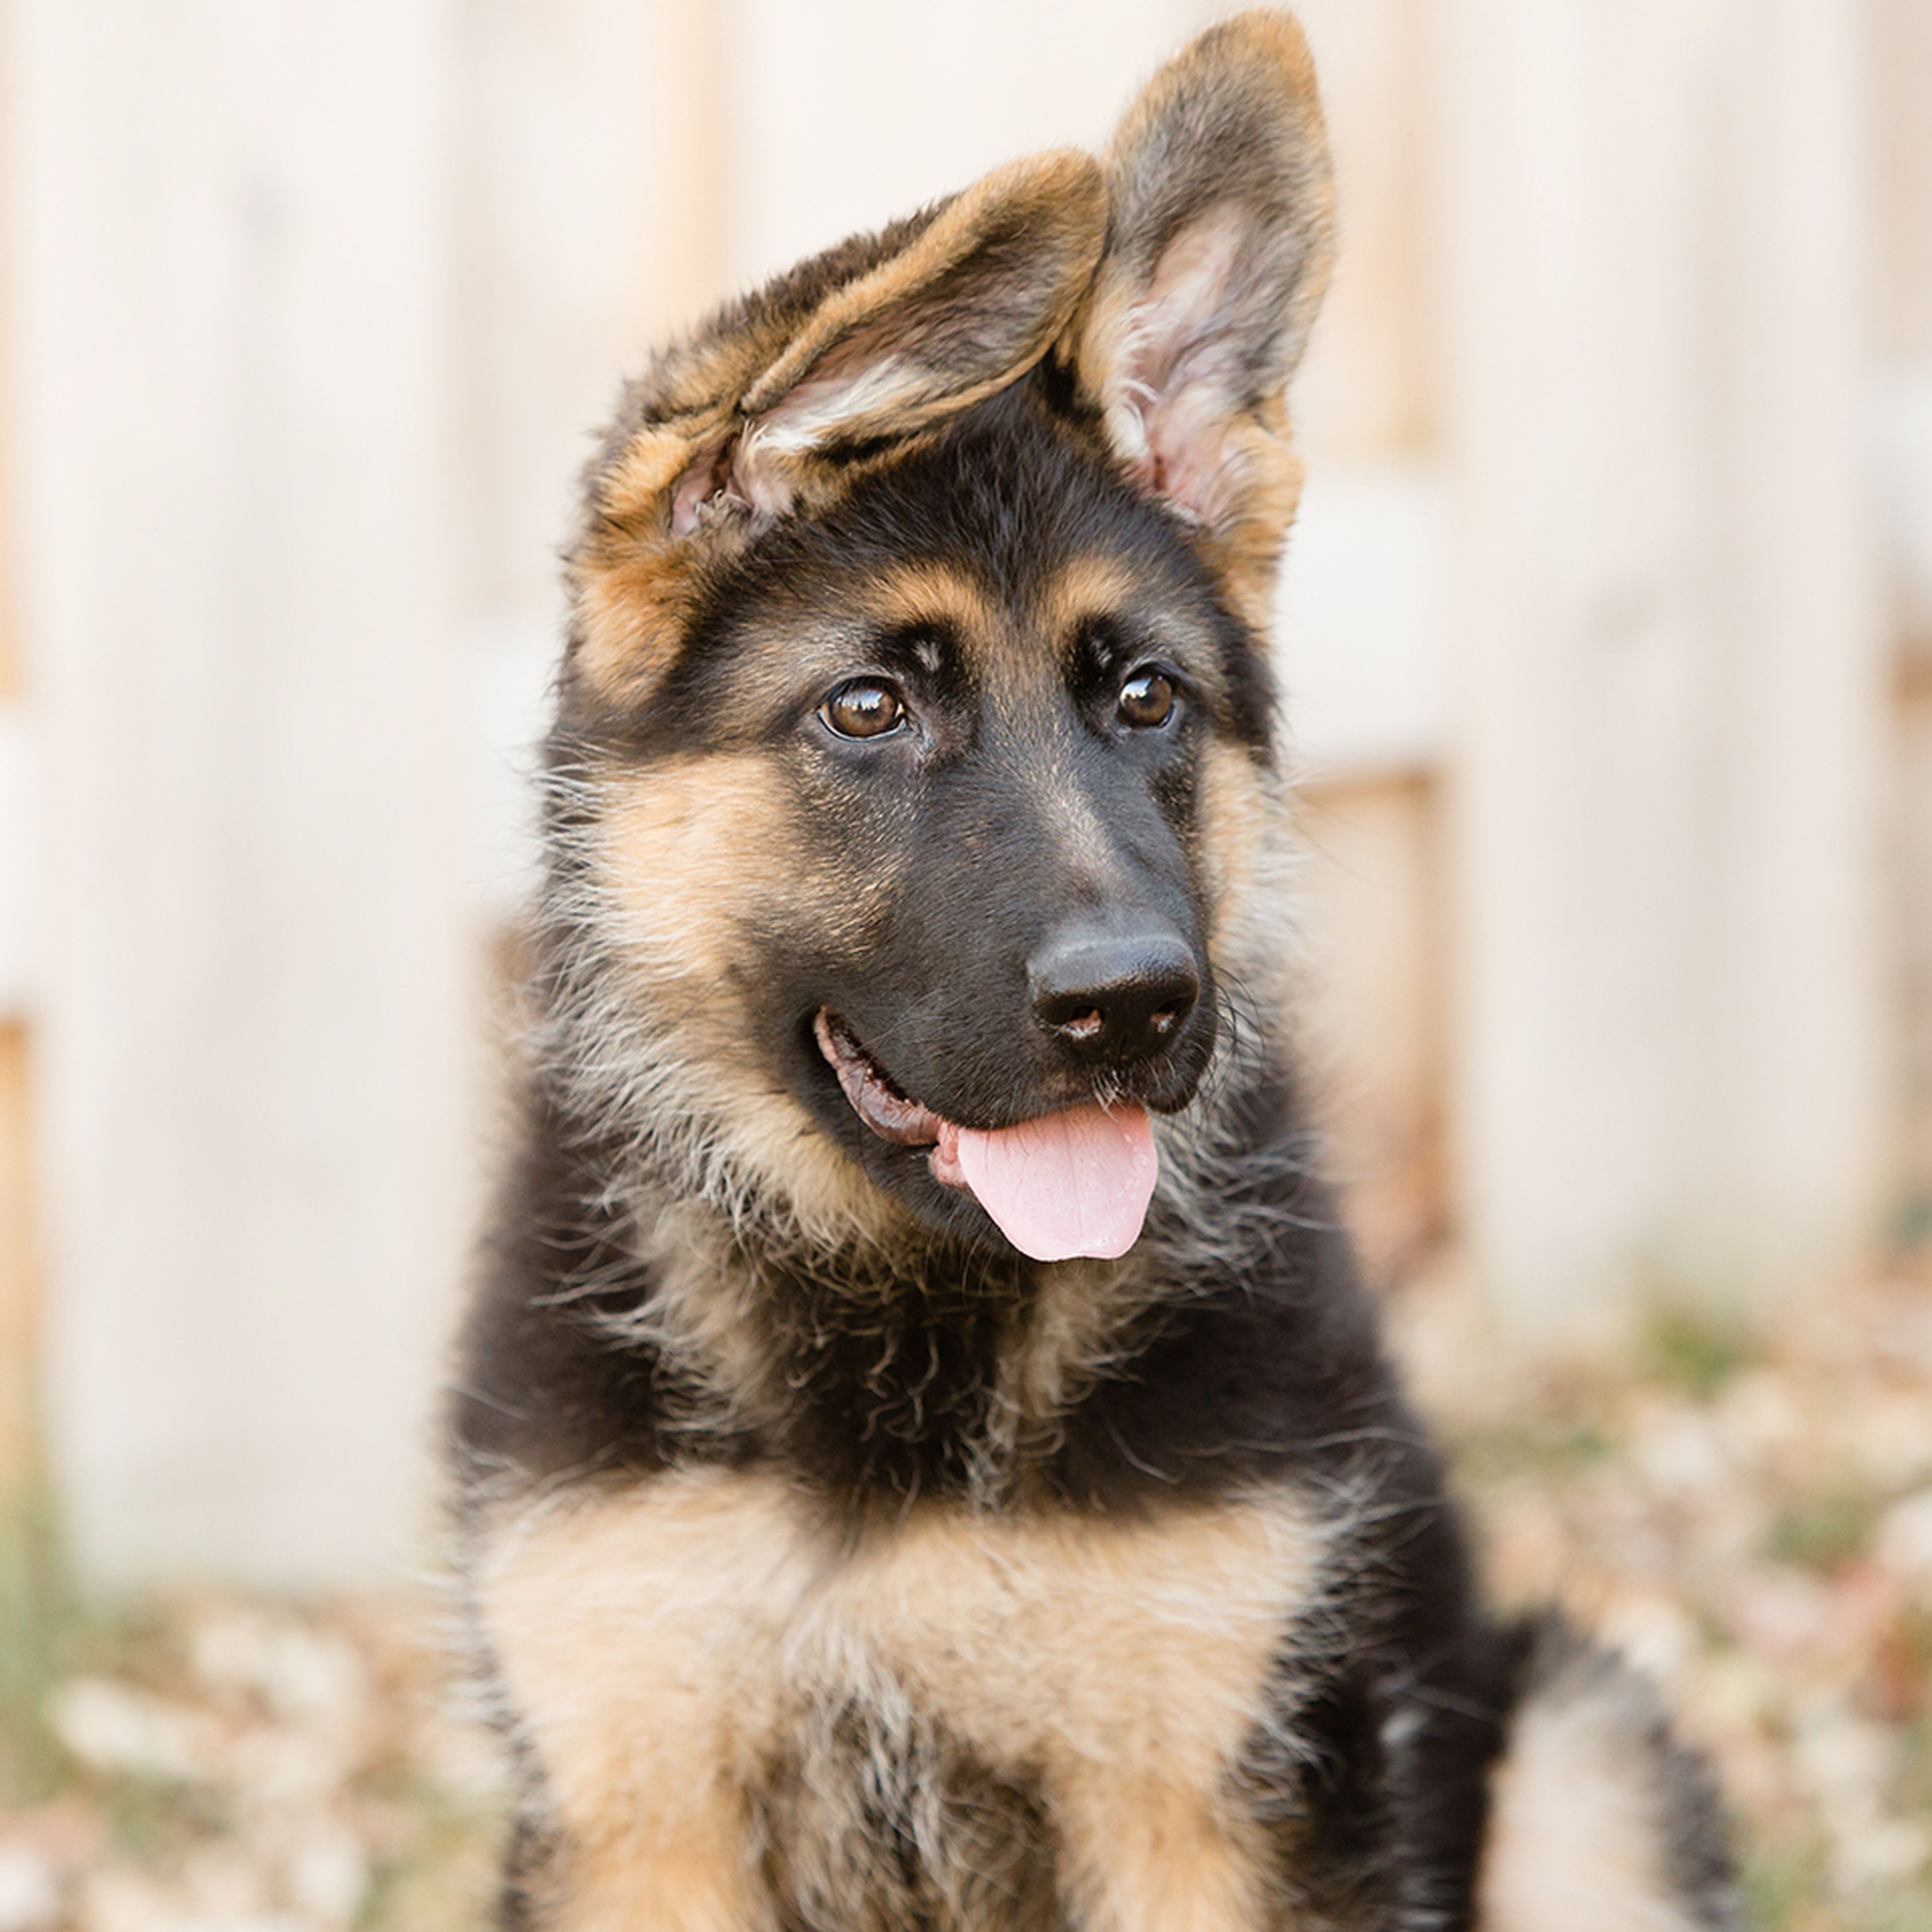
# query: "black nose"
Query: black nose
1119,995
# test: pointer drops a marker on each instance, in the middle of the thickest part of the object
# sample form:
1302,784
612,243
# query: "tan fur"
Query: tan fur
1576,1837
1085,589
1057,198
634,588
682,856
686,848
1145,1853
1246,840
660,1640
632,1636
1246,549
929,592
1092,588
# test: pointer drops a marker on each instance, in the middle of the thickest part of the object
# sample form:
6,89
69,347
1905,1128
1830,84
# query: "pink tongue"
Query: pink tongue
1075,1183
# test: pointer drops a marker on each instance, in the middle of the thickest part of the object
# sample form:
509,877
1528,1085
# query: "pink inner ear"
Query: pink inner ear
707,483
1180,372
748,472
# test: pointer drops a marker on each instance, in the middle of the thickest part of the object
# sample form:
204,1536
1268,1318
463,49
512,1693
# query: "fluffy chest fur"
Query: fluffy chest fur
709,1651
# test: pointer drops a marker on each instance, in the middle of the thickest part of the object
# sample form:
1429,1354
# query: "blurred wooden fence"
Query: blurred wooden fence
1595,635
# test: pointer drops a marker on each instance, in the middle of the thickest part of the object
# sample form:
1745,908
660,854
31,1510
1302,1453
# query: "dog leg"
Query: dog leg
1140,1855
635,1636
1600,1821
689,1873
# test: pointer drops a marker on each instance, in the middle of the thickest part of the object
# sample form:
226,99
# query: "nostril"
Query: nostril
1123,993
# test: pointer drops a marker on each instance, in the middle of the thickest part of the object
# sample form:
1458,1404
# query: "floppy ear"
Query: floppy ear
845,356
971,300
1219,233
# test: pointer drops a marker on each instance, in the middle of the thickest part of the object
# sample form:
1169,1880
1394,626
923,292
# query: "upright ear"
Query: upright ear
1219,238
974,296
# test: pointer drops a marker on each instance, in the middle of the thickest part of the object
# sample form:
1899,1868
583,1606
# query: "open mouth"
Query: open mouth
1075,1182
881,1105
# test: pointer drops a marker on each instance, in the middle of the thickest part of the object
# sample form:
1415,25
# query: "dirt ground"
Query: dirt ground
1749,1514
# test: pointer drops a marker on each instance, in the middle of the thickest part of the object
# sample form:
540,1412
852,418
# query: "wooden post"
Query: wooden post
237,458
587,173
19,1287
1900,61
1666,843
19,1284
1359,646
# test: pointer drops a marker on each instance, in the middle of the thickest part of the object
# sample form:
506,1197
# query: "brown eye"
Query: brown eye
1147,700
862,709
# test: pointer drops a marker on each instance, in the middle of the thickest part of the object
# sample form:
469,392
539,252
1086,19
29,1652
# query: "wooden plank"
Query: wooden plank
590,222
19,1283
1372,898
1367,393
1670,1034
19,1280
1899,67
847,113
238,456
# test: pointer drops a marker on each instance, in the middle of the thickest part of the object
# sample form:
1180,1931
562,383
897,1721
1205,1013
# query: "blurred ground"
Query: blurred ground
1749,1514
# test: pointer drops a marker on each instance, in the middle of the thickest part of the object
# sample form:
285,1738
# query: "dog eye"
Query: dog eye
1146,699
863,709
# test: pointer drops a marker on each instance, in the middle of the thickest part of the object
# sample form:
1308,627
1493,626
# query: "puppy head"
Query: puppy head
916,641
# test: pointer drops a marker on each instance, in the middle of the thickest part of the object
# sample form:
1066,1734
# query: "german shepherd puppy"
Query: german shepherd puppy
925,1459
